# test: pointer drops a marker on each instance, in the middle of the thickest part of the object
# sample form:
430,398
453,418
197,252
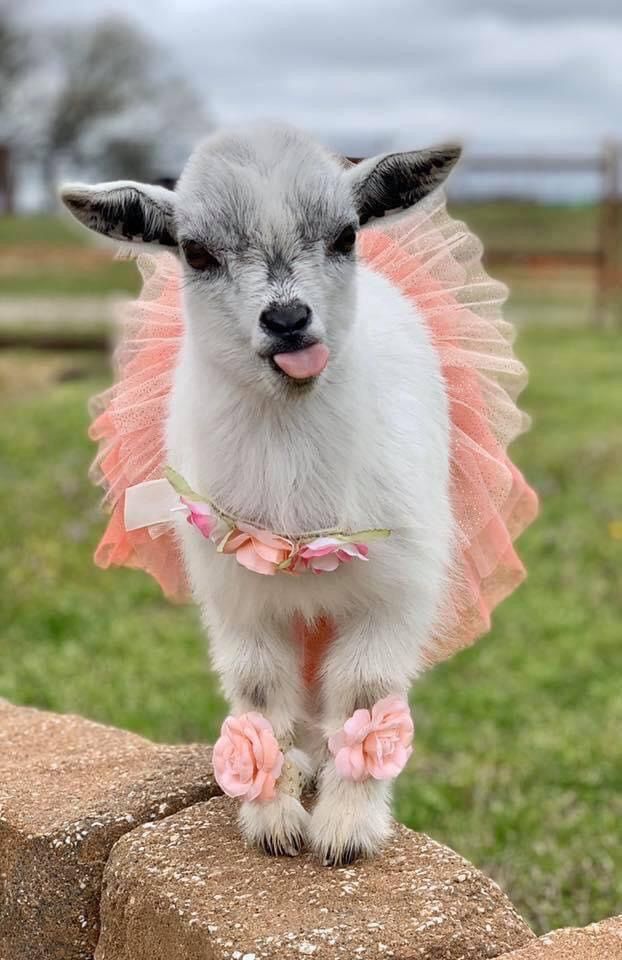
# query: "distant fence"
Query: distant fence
605,257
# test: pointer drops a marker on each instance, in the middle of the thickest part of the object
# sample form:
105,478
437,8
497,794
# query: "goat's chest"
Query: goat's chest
289,478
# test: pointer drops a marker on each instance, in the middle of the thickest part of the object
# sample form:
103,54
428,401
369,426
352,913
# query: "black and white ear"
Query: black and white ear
124,210
395,181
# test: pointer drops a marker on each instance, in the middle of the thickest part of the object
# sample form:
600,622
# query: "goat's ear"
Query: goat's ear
124,210
398,180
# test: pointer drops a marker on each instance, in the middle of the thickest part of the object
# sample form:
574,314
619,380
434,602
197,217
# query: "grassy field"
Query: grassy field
523,227
55,257
519,755
507,224
42,256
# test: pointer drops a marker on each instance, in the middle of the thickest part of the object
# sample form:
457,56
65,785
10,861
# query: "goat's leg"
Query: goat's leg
370,659
259,669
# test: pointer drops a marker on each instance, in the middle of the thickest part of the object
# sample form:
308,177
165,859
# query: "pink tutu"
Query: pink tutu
436,262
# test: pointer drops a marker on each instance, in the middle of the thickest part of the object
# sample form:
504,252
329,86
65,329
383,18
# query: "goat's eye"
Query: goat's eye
199,257
344,241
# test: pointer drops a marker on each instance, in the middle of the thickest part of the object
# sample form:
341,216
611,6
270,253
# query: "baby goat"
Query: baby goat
307,397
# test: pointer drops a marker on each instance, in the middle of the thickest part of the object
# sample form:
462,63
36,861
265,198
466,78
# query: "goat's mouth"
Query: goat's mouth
302,362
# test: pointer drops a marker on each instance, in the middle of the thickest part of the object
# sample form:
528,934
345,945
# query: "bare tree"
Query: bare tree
127,158
105,96
13,53
15,56
13,63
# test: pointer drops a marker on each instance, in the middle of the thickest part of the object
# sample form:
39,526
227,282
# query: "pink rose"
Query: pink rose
201,516
324,554
376,744
247,759
258,550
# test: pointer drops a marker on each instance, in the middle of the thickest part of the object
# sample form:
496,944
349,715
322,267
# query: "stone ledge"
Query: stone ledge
81,803
188,887
599,941
69,788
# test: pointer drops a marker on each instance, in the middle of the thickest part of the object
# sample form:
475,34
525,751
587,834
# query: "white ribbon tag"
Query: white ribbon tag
149,503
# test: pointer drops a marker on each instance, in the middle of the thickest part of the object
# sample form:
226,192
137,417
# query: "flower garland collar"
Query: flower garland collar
156,502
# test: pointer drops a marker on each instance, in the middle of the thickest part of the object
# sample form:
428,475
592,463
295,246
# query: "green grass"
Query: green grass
41,229
49,256
56,279
44,255
72,637
559,297
501,223
521,226
519,756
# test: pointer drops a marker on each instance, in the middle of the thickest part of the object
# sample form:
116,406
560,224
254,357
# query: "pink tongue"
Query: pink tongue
302,364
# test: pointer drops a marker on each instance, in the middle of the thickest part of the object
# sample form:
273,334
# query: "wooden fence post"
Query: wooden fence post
608,307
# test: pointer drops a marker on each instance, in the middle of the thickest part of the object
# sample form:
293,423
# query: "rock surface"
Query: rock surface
599,941
69,789
188,887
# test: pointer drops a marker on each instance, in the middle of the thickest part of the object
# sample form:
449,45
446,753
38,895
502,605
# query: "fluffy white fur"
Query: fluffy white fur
364,445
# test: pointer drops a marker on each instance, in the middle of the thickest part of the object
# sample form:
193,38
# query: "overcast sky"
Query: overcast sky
376,73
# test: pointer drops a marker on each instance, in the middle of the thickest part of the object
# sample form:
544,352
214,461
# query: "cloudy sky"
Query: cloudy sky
496,73
368,75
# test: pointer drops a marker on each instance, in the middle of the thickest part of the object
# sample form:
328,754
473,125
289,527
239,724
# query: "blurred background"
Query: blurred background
519,757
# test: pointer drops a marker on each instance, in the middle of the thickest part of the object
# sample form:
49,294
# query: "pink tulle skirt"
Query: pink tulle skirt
436,262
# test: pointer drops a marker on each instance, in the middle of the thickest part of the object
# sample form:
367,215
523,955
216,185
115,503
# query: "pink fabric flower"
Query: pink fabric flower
201,516
376,744
324,554
258,550
246,758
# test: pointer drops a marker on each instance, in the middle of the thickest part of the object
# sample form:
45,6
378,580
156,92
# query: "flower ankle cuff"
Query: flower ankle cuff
374,744
247,758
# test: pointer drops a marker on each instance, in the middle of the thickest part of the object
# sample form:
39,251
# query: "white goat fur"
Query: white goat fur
366,445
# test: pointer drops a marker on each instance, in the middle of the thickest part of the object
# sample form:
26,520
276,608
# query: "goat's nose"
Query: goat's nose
286,318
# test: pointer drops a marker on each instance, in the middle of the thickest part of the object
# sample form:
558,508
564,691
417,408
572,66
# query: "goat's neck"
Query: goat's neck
285,462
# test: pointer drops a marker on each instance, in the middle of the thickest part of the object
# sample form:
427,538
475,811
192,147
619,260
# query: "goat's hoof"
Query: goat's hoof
349,821
283,846
339,849
343,856
278,827
342,851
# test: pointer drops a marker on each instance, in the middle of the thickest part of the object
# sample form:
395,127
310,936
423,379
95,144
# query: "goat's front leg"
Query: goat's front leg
371,664
259,669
